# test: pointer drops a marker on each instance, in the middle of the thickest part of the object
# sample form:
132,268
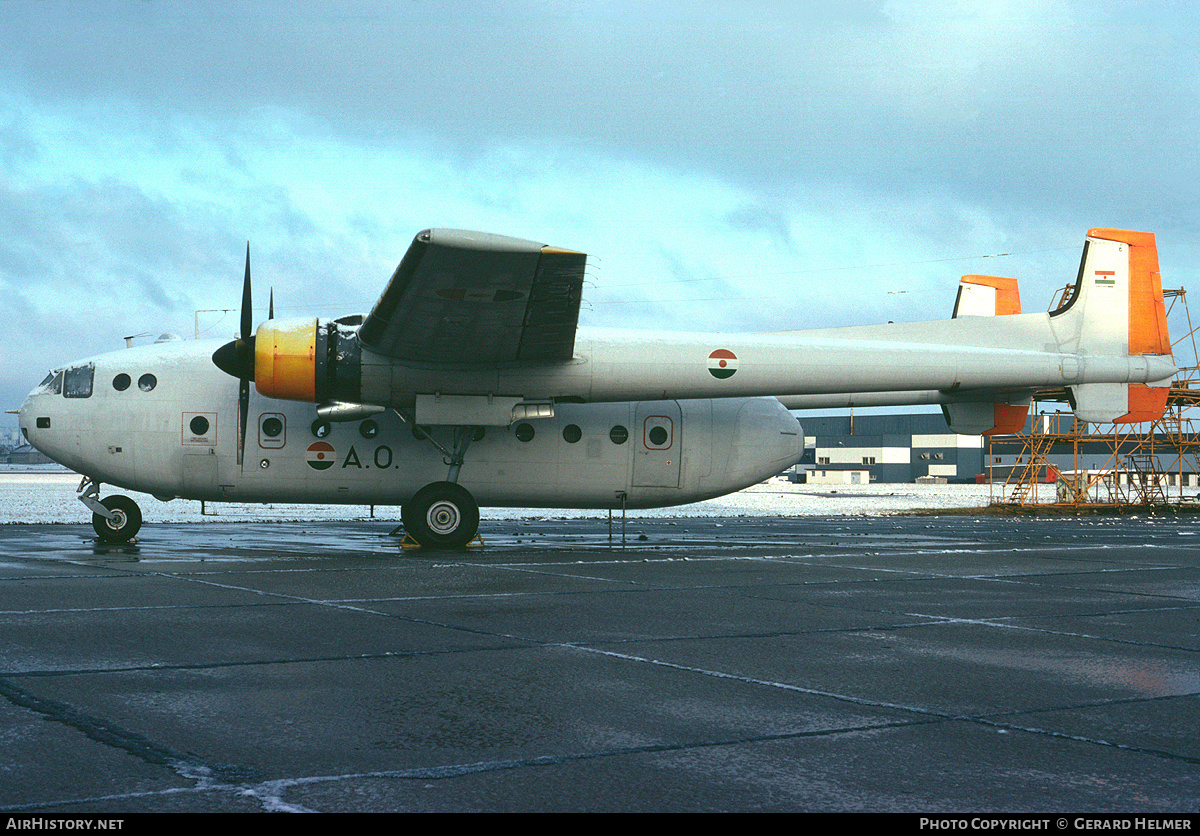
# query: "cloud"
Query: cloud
732,166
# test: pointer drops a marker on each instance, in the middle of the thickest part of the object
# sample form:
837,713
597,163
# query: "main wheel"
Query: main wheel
127,519
442,515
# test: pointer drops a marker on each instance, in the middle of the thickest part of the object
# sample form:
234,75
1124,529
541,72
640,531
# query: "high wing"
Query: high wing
480,330
471,297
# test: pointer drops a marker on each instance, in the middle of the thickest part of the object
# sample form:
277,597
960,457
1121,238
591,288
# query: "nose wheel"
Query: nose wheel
442,515
125,522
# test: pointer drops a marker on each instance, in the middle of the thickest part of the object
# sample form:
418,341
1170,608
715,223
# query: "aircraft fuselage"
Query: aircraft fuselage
163,420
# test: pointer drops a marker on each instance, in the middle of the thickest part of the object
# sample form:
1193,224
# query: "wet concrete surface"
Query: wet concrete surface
942,664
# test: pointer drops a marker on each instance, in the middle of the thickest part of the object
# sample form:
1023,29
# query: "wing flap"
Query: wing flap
553,311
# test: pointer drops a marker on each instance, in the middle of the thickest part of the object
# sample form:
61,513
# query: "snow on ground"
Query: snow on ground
46,494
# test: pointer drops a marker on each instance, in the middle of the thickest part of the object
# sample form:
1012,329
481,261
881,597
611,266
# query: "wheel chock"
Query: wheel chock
408,543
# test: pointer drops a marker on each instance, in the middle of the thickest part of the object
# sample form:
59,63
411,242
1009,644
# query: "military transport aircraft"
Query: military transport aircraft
467,384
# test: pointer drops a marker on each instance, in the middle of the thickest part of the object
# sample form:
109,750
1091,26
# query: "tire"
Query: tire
442,515
407,517
127,523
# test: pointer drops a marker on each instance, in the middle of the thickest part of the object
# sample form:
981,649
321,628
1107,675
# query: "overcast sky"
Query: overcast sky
726,165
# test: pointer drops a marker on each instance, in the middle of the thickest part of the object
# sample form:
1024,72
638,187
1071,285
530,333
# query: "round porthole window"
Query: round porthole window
320,428
272,427
368,429
121,382
618,434
658,436
198,425
572,433
524,432
147,382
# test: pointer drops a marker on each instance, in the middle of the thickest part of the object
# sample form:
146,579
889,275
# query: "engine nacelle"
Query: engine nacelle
307,360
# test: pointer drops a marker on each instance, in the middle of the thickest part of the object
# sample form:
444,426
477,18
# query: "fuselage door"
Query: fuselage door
658,443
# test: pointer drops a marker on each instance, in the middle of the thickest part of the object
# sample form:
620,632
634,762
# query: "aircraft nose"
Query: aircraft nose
35,413
25,419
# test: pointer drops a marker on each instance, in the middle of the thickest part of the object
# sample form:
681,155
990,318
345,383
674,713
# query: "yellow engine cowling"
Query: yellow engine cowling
285,359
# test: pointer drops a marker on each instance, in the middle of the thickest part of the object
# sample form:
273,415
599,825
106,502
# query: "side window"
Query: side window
272,428
200,428
77,382
657,433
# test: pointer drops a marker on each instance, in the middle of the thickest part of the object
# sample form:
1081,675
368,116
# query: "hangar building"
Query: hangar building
890,448
907,447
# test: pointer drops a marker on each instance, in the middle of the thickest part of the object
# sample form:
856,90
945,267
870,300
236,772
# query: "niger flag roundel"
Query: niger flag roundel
319,455
722,363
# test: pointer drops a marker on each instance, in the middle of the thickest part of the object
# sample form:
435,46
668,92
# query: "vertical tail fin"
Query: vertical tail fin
987,296
1116,308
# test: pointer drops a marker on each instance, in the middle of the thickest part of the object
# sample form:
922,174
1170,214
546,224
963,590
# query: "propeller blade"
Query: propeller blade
245,352
243,412
236,357
247,309
271,305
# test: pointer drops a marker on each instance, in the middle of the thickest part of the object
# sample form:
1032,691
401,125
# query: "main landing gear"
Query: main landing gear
116,518
441,515
444,515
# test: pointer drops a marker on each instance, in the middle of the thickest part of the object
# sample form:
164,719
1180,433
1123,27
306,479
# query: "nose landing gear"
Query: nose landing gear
125,522
116,518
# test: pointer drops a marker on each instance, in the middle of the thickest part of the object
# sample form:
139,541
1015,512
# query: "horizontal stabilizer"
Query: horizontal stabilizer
1118,403
986,418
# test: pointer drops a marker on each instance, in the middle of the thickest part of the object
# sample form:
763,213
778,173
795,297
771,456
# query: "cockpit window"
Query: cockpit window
53,384
77,382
